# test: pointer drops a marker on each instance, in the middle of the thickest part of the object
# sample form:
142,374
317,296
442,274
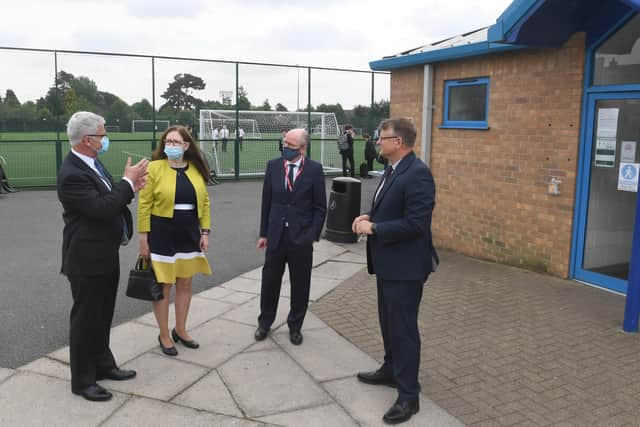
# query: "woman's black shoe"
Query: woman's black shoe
177,338
169,351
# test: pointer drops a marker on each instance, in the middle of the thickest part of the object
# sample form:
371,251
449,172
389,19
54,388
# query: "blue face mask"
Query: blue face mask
290,154
104,145
173,153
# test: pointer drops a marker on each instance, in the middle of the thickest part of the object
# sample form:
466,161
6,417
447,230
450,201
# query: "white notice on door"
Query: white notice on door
628,152
608,122
628,177
605,152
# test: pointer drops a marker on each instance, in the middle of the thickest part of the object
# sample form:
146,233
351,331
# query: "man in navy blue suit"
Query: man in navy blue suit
400,253
294,206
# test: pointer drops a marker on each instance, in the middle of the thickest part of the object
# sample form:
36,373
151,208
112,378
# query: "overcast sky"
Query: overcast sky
325,33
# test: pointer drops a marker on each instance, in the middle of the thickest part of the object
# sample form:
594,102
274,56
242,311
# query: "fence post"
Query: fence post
236,150
153,102
373,103
632,302
309,110
58,142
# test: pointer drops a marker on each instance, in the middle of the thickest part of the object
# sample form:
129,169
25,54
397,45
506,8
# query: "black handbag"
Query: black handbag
142,282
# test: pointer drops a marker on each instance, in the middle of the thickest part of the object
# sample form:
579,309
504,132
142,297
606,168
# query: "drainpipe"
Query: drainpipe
427,114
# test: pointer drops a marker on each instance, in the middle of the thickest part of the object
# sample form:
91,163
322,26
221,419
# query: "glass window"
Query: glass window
617,60
466,103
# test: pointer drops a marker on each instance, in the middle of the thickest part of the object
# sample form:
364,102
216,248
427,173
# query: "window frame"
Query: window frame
465,124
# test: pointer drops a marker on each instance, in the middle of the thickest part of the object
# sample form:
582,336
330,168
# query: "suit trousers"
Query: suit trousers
299,258
398,305
347,156
94,299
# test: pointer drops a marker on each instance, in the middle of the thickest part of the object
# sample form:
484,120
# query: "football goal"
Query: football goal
112,128
148,125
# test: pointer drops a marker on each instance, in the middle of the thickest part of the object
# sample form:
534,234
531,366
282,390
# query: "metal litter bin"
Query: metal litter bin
344,207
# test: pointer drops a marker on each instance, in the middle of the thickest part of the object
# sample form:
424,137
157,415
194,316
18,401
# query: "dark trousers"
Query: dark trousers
224,145
240,142
398,304
299,259
347,155
369,165
94,299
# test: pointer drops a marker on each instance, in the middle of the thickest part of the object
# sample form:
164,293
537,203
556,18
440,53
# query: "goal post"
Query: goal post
148,125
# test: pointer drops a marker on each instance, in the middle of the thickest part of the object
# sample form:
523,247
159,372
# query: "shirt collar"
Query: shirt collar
90,161
296,163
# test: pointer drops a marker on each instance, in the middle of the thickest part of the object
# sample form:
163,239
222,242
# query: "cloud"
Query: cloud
165,8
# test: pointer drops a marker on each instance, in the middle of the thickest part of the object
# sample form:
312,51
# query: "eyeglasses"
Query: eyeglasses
382,138
101,136
173,142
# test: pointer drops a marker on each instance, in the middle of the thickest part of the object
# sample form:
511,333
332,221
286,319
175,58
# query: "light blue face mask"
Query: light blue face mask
173,153
104,145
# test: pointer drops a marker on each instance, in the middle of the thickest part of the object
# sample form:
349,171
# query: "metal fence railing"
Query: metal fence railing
140,95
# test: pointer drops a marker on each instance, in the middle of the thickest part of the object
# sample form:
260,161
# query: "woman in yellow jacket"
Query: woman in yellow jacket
174,222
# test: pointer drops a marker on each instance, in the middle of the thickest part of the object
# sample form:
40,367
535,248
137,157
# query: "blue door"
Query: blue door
605,214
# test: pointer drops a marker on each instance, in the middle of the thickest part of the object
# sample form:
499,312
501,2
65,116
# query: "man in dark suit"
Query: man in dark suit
400,253
294,206
97,221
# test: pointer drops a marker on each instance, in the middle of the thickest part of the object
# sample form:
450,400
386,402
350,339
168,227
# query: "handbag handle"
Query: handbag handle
142,264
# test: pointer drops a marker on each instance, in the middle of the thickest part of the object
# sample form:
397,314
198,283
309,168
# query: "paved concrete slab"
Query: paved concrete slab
209,394
128,340
5,373
322,416
267,382
219,340
49,367
367,404
140,412
30,399
243,284
159,377
248,313
337,270
317,354
351,257
267,344
255,274
215,293
237,298
201,310
311,321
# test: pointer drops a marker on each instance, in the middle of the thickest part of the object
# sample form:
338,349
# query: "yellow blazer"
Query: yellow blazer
159,195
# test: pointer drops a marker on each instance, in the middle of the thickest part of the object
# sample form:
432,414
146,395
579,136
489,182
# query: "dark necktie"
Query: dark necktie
387,173
125,229
290,177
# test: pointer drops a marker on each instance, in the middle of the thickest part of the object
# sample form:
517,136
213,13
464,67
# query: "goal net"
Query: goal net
148,125
112,128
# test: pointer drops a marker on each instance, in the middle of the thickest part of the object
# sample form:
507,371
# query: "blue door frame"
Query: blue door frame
582,194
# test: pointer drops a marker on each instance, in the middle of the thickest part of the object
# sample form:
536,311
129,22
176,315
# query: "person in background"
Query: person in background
370,152
174,222
347,152
281,140
96,222
294,206
240,137
224,136
400,253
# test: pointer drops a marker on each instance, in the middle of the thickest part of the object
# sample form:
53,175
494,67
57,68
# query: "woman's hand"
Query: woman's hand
204,242
143,239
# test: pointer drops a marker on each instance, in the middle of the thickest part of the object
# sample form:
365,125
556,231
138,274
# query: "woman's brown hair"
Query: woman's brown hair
193,153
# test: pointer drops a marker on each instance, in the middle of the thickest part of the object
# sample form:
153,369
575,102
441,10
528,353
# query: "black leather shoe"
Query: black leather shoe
116,374
379,377
94,393
295,337
401,411
169,351
261,333
178,338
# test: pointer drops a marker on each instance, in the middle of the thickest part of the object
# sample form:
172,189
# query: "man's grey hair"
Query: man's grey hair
82,123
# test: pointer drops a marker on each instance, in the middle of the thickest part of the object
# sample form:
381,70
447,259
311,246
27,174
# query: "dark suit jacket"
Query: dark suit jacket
92,218
304,209
402,248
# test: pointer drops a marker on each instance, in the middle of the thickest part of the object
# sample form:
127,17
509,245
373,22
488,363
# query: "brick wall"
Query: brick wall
492,200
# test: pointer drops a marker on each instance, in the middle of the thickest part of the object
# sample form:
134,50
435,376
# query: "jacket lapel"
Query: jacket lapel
402,166
77,162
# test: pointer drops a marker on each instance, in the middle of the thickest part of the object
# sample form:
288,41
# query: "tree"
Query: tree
179,93
280,107
264,107
120,114
333,108
10,99
243,99
142,110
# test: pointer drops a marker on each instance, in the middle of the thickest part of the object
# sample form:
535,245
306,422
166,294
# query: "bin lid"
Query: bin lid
346,179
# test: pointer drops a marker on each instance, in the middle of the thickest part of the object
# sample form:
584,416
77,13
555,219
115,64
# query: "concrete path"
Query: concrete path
231,380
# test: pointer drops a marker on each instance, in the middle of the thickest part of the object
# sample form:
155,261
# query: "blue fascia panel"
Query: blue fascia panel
510,17
474,49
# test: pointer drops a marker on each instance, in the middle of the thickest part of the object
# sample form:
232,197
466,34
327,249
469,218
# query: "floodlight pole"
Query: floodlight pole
153,102
58,142
309,110
298,92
